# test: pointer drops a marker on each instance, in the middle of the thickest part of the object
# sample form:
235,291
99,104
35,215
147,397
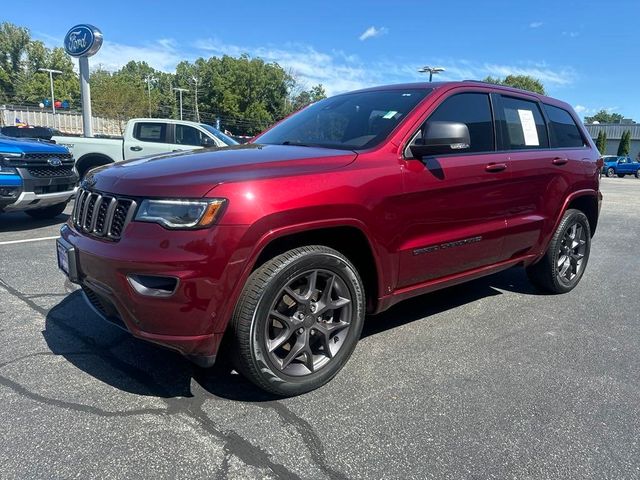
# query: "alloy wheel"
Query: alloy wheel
571,253
308,322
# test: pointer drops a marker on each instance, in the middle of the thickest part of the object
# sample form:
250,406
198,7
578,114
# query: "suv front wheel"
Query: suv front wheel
298,320
562,266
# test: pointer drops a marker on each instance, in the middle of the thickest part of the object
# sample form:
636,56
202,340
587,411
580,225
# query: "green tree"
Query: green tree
523,82
625,144
307,97
20,59
601,142
604,117
118,96
14,41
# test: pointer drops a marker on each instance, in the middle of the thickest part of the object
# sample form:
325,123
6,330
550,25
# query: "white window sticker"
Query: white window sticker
390,114
528,127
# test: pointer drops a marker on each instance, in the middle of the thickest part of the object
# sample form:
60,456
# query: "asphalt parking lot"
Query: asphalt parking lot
485,380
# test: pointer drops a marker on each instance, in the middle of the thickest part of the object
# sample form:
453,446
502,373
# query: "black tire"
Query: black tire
610,172
47,212
621,175
638,173
253,319
546,274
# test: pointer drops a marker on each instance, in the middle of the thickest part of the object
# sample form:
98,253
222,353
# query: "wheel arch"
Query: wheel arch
348,239
587,204
92,160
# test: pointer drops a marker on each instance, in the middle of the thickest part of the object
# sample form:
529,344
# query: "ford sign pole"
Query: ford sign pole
83,41
85,95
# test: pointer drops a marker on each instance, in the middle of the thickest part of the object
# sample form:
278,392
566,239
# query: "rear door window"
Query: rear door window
150,132
522,125
186,135
563,130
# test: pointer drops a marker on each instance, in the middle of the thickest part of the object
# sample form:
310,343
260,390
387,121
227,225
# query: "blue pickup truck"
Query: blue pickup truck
620,166
36,177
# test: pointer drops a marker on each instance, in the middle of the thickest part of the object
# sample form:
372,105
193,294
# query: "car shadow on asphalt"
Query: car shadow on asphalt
20,222
116,358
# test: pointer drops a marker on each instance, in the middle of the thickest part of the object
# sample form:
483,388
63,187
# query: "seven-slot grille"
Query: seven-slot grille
102,215
51,171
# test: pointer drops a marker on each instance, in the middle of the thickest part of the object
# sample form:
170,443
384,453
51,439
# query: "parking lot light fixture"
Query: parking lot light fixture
181,91
431,70
53,98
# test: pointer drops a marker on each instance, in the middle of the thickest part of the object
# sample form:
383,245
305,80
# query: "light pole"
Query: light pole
431,70
53,98
181,90
195,82
149,79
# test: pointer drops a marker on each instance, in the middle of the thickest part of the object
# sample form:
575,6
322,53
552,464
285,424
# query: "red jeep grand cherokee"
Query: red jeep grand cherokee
347,207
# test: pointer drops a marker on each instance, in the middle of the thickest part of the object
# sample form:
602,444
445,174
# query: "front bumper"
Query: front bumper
41,192
30,200
189,319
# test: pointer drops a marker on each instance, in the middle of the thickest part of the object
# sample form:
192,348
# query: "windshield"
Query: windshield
351,121
219,135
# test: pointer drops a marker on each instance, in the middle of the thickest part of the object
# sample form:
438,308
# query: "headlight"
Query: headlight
10,155
8,170
180,214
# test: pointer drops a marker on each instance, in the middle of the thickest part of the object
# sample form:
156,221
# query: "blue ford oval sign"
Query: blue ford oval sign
83,41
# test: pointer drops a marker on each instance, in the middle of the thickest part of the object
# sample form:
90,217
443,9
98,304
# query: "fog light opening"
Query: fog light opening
153,285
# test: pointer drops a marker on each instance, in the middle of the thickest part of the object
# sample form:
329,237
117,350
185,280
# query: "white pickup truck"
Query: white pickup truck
142,137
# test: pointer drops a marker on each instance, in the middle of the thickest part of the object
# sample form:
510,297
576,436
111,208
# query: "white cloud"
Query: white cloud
535,24
373,32
581,109
337,70
571,34
163,54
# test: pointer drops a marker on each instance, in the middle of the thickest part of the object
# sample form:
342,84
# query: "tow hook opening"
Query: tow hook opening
153,285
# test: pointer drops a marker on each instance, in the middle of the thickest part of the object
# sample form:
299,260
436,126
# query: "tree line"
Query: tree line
244,94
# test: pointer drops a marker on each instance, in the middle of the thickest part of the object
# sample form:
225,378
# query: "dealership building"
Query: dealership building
614,133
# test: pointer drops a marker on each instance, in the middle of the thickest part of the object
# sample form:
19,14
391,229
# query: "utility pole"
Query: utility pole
431,70
149,79
181,90
53,99
195,82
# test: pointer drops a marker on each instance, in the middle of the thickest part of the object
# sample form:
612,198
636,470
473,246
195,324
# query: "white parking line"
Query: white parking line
10,242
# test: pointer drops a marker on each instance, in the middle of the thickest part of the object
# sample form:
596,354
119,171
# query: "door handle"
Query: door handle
136,148
559,161
496,167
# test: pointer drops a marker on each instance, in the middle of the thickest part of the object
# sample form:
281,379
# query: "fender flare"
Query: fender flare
101,156
271,235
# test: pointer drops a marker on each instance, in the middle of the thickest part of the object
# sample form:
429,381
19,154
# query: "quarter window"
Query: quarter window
150,132
563,130
523,125
474,110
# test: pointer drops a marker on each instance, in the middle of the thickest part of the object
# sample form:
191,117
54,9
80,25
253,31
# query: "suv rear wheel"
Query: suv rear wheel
561,268
298,320
47,212
638,173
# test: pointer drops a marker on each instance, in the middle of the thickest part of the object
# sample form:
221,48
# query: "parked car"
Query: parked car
35,177
142,137
353,204
620,166
42,133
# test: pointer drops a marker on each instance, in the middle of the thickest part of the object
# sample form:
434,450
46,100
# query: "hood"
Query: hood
26,145
193,174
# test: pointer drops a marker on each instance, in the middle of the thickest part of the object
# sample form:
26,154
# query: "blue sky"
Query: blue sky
585,52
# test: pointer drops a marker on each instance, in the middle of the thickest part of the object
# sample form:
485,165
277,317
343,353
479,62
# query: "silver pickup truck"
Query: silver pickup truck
142,137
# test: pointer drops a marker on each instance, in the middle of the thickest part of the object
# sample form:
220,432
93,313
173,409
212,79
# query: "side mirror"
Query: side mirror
208,142
440,138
